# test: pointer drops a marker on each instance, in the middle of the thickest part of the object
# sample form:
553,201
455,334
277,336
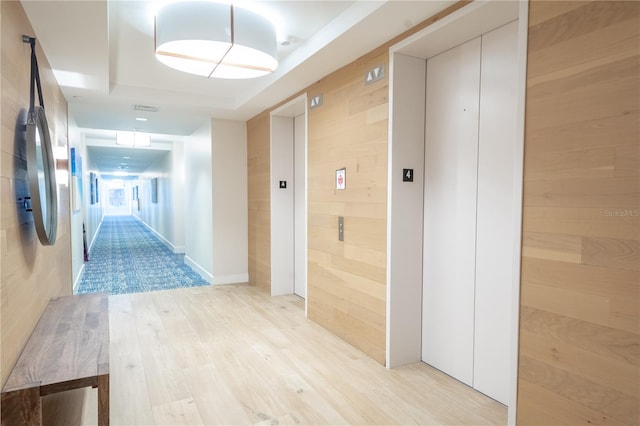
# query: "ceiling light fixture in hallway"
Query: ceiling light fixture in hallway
215,40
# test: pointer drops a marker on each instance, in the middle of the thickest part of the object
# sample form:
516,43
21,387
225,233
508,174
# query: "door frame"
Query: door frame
289,110
405,208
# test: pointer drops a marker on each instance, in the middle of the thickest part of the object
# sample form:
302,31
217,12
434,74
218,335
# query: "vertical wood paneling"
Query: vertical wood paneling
580,298
30,273
259,199
347,280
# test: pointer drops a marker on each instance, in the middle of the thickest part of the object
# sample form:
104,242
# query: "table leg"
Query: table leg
22,407
103,400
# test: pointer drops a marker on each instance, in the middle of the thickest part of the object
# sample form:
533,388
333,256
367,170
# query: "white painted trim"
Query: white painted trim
179,249
407,79
231,279
518,179
199,269
77,281
95,236
474,19
306,202
388,313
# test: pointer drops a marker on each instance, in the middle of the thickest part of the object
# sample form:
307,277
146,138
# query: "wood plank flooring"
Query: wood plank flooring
235,355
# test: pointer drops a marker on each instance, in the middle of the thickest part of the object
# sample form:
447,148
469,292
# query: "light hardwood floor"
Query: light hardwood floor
234,355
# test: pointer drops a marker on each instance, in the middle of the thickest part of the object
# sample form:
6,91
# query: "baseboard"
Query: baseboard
166,242
77,281
231,279
95,236
199,269
179,249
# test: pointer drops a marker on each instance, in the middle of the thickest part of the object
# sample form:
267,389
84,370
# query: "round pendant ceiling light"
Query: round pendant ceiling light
215,40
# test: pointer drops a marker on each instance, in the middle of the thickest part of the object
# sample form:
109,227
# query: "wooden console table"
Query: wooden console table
68,349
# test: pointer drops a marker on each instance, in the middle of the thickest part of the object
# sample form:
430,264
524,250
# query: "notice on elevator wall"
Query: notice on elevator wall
341,178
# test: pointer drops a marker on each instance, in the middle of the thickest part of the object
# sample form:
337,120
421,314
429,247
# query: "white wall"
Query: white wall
166,217
107,185
230,204
89,214
198,205
158,216
178,190
77,217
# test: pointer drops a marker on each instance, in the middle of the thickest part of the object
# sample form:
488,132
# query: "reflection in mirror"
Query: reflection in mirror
42,183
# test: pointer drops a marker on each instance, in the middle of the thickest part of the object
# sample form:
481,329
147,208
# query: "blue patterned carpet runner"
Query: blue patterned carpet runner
128,258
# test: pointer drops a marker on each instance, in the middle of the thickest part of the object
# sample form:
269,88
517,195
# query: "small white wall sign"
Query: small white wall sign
341,178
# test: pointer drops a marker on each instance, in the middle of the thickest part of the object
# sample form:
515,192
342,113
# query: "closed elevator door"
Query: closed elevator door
469,224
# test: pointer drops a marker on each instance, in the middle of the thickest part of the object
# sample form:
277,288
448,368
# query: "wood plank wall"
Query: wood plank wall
259,200
580,296
346,287
30,273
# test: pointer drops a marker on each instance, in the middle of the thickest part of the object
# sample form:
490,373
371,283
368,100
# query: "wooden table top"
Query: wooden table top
68,348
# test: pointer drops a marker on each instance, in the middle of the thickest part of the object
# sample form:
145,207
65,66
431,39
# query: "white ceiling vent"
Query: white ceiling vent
145,108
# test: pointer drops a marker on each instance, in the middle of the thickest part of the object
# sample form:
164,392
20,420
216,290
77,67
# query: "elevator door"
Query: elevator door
469,224
451,169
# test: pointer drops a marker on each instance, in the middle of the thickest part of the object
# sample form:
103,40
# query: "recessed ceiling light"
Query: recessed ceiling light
126,158
141,119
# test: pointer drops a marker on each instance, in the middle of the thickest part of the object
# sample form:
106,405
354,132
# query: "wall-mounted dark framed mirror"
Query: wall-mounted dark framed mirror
41,168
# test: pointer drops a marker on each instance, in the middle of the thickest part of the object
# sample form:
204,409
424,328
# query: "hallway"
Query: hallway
128,258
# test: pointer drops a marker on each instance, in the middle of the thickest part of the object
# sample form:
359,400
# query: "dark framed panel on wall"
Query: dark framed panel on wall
76,180
92,188
154,190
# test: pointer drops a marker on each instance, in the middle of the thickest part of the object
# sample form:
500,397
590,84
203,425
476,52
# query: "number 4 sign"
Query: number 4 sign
407,175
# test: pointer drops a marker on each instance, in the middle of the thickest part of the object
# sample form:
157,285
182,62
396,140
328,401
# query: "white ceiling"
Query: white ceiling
102,56
130,160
